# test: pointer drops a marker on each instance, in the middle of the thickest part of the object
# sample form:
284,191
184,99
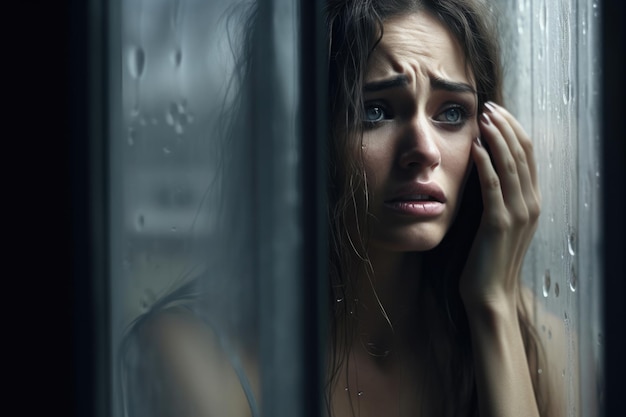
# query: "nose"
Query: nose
419,148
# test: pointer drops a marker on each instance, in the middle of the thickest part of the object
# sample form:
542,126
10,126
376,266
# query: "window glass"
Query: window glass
552,68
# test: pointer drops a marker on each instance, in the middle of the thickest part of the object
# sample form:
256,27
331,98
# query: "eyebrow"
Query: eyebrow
399,81
436,83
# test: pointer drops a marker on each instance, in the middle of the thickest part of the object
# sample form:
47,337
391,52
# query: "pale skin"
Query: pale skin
422,124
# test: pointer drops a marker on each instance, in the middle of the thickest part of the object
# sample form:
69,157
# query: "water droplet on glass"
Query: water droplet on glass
131,136
543,16
557,289
136,61
360,393
539,371
170,117
190,118
571,243
178,128
520,25
174,229
549,333
573,279
563,373
166,150
546,283
345,389
141,222
339,299
567,92
177,57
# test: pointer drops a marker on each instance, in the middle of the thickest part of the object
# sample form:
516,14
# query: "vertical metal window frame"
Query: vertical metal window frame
613,125
89,101
289,90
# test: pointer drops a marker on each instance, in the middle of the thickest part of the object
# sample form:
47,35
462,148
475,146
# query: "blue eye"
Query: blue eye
452,115
374,113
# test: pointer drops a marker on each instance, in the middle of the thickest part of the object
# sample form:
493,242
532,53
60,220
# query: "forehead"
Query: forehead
418,44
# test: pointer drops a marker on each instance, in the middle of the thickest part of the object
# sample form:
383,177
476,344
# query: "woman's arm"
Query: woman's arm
490,281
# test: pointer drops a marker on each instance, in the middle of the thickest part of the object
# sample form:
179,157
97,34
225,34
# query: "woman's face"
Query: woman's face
420,120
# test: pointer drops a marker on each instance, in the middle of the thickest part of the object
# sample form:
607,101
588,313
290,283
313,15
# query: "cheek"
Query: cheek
459,161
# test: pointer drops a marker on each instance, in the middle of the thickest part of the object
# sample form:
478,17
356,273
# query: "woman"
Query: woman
428,233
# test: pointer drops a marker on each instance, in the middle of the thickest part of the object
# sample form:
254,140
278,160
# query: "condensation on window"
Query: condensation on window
551,58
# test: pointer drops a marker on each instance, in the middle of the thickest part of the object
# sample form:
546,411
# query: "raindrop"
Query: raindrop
345,389
190,118
339,299
360,393
557,289
549,333
520,25
177,57
132,134
141,222
563,373
178,128
573,279
543,16
546,283
539,371
136,62
166,150
571,243
567,92
174,229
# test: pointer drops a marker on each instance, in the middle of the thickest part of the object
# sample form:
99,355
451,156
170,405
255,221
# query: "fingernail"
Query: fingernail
485,118
478,142
490,106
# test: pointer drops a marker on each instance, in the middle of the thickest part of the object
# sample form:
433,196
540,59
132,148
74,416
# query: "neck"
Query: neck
386,311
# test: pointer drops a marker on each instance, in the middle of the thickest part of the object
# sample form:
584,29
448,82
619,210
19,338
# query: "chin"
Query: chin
417,239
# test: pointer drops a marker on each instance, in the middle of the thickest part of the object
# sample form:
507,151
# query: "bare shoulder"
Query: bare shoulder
179,368
558,367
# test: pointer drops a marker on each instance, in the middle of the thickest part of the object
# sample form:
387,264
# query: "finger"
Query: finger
505,166
524,140
518,152
493,201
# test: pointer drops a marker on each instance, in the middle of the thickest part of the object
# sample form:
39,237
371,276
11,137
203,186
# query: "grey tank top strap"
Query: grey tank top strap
235,362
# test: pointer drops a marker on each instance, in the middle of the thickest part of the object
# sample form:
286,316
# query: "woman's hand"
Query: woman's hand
489,283
511,203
